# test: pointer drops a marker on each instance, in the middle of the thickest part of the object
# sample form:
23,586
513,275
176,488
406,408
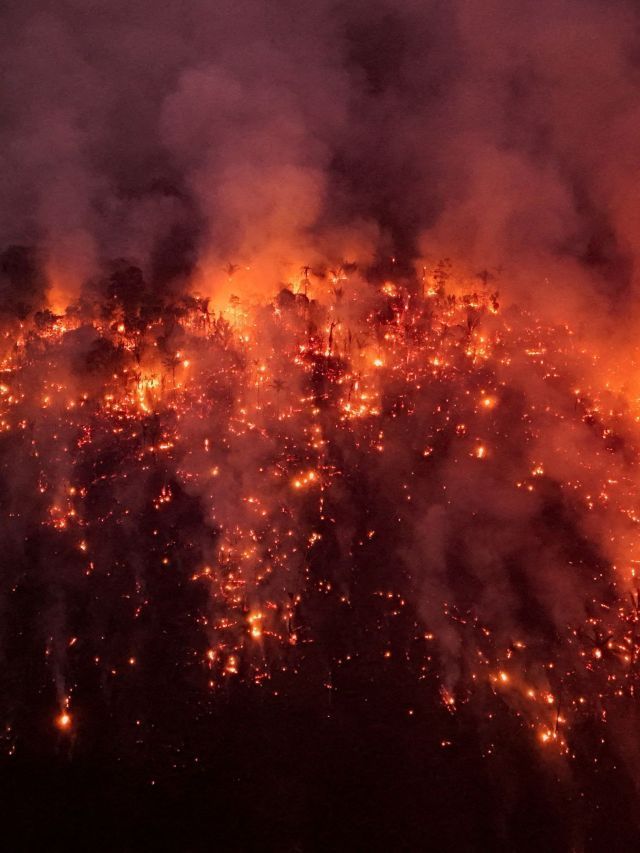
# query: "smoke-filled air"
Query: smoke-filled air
320,397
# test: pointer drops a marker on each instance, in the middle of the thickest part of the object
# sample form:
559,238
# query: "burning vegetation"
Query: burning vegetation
391,469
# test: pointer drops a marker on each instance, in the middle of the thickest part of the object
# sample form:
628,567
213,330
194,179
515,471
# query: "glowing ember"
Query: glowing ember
63,720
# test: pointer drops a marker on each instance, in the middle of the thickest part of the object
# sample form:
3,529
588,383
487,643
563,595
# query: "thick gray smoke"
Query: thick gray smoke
188,132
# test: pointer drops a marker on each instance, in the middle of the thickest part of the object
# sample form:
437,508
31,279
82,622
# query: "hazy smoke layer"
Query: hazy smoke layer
505,133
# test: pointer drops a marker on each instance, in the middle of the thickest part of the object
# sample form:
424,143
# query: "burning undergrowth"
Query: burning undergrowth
348,470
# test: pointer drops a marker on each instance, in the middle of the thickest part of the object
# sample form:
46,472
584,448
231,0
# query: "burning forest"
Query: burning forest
320,424
268,473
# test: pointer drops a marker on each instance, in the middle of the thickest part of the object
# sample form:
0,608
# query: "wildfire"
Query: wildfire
233,414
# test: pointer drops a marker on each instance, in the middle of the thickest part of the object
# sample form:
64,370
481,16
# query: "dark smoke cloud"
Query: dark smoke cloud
501,133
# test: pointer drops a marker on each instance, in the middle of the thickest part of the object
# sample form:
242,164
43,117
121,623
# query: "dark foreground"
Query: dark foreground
352,771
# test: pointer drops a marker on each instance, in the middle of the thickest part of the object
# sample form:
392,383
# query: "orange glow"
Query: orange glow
63,720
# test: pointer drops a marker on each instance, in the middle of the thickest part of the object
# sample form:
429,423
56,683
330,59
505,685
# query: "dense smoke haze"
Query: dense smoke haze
503,134
319,424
